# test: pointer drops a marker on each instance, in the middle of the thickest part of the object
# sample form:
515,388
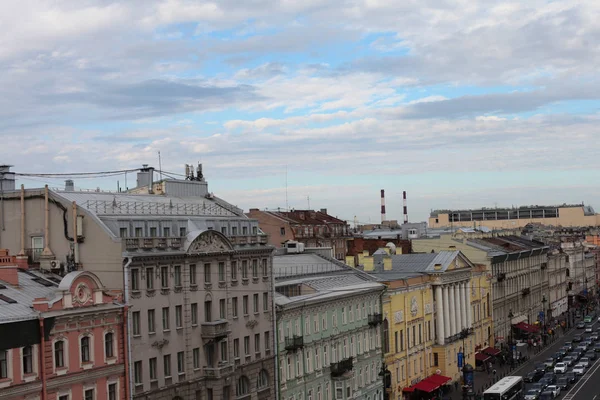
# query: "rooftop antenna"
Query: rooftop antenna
287,206
308,201
159,166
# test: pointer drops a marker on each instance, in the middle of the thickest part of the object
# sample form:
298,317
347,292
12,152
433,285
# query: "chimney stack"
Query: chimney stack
382,205
405,207
69,185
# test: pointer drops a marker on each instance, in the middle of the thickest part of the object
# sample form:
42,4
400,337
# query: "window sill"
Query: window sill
181,375
111,360
265,278
62,371
234,282
165,291
136,294
245,281
255,280
179,328
87,365
166,331
153,381
194,325
151,333
235,317
194,287
32,376
5,382
207,285
137,335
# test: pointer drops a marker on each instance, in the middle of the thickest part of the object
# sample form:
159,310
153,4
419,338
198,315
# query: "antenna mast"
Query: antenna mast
287,206
159,166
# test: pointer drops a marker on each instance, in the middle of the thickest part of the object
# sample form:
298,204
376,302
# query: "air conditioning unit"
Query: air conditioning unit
49,264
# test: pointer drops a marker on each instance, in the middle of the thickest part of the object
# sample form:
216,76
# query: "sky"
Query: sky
311,103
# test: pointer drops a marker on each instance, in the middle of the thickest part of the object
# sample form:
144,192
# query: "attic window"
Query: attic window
7,299
43,282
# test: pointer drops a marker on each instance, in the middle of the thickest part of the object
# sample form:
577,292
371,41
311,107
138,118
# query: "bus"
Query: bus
508,388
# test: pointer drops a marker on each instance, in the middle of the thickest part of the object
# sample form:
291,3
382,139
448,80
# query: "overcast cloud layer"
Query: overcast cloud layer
461,103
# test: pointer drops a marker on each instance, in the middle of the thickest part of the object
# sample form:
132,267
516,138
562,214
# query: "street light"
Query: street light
544,301
510,317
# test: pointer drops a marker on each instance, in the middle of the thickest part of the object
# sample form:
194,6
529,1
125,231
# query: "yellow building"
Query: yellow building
435,306
509,218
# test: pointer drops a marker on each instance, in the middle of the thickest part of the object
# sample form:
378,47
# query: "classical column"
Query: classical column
452,310
468,305
447,309
463,306
457,308
439,309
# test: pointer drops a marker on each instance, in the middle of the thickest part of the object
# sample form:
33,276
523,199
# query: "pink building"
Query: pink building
60,338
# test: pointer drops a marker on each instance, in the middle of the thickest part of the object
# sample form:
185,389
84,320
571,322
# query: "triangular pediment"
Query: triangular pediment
209,242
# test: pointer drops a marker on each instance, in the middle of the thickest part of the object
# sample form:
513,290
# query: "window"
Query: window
85,349
236,348
152,366
177,275
245,269
196,357
135,279
245,305
139,232
234,307
244,230
222,309
59,354
182,231
263,379
167,365
234,270
265,270
166,231
255,269
435,359
223,347
221,272
266,301
193,274
151,321
122,232
109,338
136,323
257,342
149,278
267,341
180,362
256,305
153,231
243,386
3,364
178,317
137,372
88,394
112,391
282,231
165,319
224,230
208,311
247,345
209,351
164,277
207,273
194,310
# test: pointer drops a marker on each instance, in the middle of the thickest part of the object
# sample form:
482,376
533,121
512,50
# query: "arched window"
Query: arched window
243,386
27,360
59,354
263,379
109,344
386,336
85,349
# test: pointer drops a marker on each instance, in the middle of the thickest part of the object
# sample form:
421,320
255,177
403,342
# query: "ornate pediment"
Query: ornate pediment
209,242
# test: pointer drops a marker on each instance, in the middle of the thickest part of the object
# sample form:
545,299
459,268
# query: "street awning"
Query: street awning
527,327
481,357
429,384
490,351
409,389
439,379
426,386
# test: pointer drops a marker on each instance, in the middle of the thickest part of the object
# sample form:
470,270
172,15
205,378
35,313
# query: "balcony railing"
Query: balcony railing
34,254
526,291
375,319
340,368
294,343
217,372
501,276
248,239
215,330
149,243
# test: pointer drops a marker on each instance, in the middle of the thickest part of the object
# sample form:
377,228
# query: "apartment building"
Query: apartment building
194,271
329,329
557,284
61,338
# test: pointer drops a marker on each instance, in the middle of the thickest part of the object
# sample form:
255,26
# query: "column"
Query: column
452,310
439,309
463,306
468,305
457,308
447,310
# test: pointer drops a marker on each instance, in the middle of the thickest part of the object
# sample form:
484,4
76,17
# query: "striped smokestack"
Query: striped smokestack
382,205
405,207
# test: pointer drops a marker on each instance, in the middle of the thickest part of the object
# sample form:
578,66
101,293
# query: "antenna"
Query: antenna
308,201
287,206
159,166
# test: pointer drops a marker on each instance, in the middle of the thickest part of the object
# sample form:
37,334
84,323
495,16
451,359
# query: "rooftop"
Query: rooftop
412,265
435,213
16,302
306,217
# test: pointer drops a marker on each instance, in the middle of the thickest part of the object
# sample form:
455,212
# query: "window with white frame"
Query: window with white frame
88,394
137,372
109,345
112,391
3,364
152,366
167,365
85,348
59,354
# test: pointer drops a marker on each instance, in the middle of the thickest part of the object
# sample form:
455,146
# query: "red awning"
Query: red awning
482,357
526,327
490,351
439,379
426,386
409,389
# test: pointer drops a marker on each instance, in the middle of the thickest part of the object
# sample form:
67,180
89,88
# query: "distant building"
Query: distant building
60,337
367,246
313,228
577,215
329,329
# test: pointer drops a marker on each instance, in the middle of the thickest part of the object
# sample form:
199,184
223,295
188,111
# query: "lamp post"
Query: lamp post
510,317
544,301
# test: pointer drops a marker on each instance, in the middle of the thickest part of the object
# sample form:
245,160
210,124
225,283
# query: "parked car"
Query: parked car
579,369
577,338
591,355
572,377
563,383
533,376
545,382
546,395
560,368
540,367
554,389
538,387
532,395
568,345
550,376
581,325
587,319
585,361
594,336
589,328
597,347
549,363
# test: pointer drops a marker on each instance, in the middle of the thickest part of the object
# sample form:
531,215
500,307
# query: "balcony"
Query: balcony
501,277
340,368
248,239
544,265
151,243
217,372
375,319
525,291
294,343
215,330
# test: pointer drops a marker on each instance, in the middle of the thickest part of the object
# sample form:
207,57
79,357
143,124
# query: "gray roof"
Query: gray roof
295,265
412,265
24,294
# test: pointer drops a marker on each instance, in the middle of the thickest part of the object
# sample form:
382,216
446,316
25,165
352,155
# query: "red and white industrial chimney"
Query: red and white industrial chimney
405,207
382,205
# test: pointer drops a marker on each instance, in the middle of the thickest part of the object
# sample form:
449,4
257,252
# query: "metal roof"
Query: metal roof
24,294
296,265
412,265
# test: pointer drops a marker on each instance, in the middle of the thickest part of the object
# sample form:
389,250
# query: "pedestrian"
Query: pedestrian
456,385
494,373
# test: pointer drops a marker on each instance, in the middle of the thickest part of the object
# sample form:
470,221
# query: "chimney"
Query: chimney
382,205
145,177
69,185
323,211
405,207
7,178
8,268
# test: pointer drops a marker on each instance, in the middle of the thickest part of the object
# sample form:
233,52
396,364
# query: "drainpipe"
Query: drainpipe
42,365
22,252
127,329
47,251
75,244
275,334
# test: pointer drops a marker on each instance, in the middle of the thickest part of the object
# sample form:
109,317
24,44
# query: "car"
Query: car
560,368
569,360
540,367
581,349
591,355
533,376
587,343
594,337
588,319
556,356
549,363
585,361
538,387
561,352
532,395
577,338
572,377
589,329
581,325
568,345
550,376
546,395
579,369
563,382
597,347
554,389
545,382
